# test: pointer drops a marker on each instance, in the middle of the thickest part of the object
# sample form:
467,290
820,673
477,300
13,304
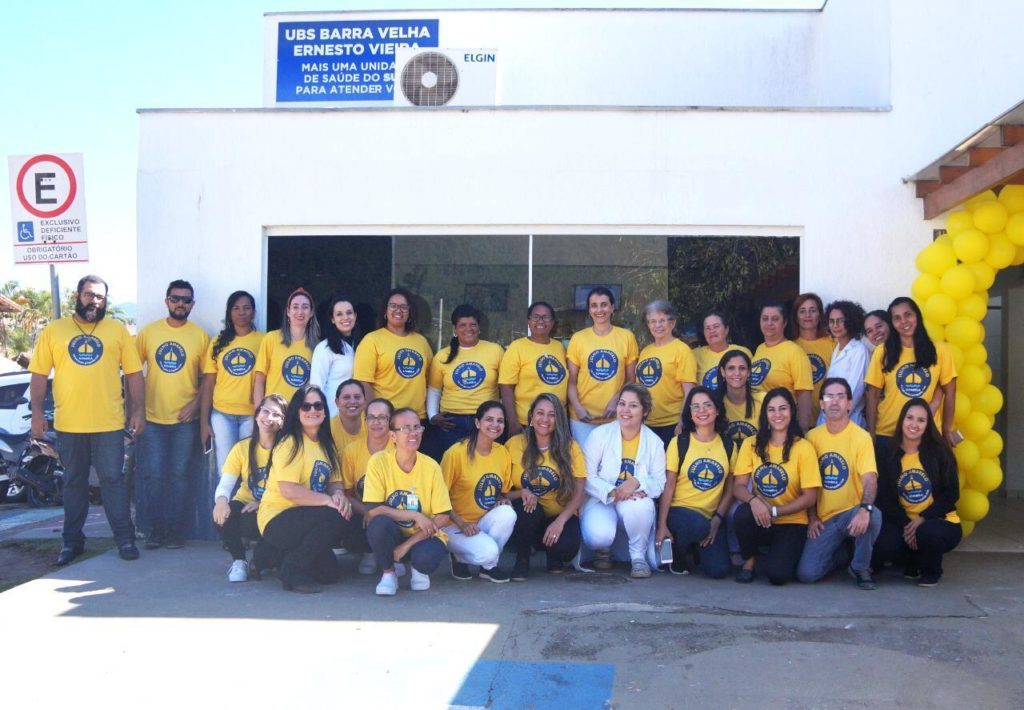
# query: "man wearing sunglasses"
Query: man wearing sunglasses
171,349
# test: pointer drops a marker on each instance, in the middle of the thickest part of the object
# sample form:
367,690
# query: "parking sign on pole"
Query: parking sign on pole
48,208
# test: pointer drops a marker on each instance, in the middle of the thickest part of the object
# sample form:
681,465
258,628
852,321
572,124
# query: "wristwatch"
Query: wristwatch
868,507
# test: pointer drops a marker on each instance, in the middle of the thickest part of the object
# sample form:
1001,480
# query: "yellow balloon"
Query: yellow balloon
958,356
971,381
935,331
984,275
967,455
975,426
946,239
1001,251
1012,197
986,476
990,217
990,419
1015,228
936,258
959,221
957,282
972,306
973,505
980,199
970,245
963,407
964,331
991,446
1019,258
989,400
940,309
987,370
974,355
966,527
926,285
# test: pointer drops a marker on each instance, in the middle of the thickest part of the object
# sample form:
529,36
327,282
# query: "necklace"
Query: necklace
89,334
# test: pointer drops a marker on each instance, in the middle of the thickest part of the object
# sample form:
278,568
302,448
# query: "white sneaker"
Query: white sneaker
368,565
419,582
388,585
239,571
400,569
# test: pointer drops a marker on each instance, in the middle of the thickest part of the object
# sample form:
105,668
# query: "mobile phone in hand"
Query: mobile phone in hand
665,553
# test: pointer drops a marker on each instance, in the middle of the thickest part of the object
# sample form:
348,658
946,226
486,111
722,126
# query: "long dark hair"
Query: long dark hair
723,387
764,431
690,427
410,322
292,428
474,436
462,311
254,440
560,449
336,341
936,456
312,335
228,334
924,349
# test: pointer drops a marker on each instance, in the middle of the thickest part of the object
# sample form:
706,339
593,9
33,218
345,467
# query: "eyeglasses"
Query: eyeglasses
271,413
829,396
377,418
540,319
410,429
660,322
312,406
837,321
400,307
89,296
187,300
702,406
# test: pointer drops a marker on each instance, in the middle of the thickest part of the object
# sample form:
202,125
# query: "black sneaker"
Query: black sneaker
911,572
521,569
745,576
678,567
863,580
460,570
153,542
174,544
128,551
928,580
494,574
555,566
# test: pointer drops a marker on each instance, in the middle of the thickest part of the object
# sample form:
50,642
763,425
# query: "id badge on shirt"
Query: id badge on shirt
412,502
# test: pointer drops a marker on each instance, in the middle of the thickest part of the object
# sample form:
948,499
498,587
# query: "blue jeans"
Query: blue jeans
384,536
165,455
228,430
820,554
103,451
437,440
689,527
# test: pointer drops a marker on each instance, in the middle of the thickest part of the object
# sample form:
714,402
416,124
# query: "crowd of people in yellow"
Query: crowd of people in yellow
828,447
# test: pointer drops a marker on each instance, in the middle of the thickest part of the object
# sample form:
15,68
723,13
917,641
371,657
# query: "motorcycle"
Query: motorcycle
41,472
11,448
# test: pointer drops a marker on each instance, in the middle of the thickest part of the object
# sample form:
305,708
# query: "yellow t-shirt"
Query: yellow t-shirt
387,483
914,488
707,363
784,364
173,358
254,481
475,485
354,460
396,367
310,468
87,360
545,480
906,381
602,362
700,483
819,353
663,369
469,380
842,459
781,483
286,367
234,367
342,439
741,426
627,466
533,369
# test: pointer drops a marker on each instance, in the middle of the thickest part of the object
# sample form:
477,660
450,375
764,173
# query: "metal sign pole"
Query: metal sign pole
54,292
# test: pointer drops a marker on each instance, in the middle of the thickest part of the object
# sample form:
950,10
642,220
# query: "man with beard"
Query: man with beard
87,353
172,350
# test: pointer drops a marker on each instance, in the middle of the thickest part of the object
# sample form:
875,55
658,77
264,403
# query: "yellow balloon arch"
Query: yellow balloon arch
955,273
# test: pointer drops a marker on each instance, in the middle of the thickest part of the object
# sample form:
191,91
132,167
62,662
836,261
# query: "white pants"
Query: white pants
600,522
485,547
581,430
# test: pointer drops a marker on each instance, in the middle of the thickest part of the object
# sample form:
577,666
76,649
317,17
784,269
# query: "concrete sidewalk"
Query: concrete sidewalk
169,629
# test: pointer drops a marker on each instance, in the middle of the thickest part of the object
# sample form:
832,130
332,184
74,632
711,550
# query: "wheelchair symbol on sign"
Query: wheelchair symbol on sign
26,232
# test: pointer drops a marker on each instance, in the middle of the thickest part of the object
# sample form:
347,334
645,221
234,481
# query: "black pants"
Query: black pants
529,534
354,537
239,525
304,536
665,433
934,539
785,544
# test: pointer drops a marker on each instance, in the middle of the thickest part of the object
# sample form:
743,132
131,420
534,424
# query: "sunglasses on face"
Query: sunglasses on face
312,406
187,300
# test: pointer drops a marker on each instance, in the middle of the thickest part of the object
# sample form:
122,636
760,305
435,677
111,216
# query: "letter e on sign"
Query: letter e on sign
43,181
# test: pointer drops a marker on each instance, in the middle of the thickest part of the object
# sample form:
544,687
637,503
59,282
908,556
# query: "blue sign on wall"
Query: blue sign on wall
345,60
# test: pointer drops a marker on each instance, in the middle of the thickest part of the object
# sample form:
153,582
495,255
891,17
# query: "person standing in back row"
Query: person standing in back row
172,351
87,353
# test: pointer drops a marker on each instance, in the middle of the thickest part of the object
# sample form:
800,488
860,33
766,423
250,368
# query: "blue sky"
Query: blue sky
73,73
